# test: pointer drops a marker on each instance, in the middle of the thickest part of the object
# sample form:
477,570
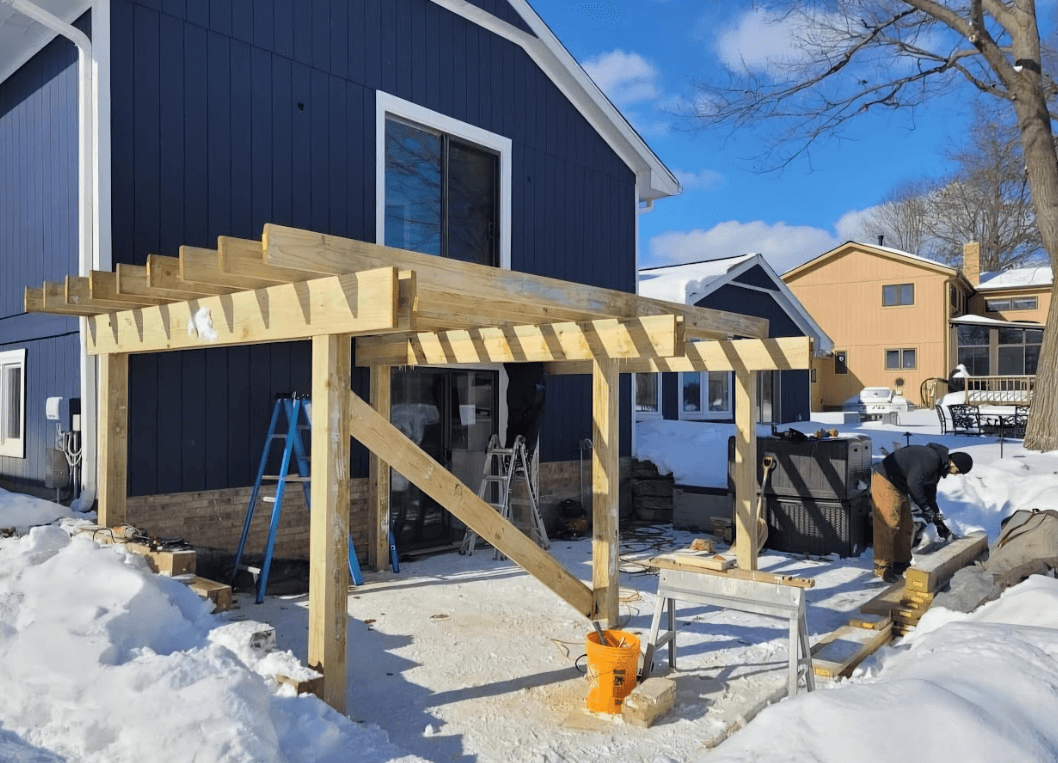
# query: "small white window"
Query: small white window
13,403
648,395
705,395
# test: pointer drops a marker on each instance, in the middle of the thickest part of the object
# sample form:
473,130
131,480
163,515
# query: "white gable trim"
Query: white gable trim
653,179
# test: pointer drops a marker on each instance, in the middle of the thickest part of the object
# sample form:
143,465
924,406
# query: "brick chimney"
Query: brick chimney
971,262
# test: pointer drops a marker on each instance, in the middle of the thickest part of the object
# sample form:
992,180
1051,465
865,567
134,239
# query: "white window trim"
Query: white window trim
14,448
643,415
703,413
390,105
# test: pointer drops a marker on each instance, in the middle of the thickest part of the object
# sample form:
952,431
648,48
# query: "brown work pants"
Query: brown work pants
893,525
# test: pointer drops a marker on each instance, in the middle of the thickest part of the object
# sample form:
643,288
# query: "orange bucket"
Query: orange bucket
611,670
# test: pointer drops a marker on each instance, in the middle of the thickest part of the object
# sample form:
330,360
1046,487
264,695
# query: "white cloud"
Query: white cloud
784,246
626,78
762,41
705,179
850,227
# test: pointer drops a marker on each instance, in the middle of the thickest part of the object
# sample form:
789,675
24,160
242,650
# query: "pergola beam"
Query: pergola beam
556,299
787,354
356,303
659,335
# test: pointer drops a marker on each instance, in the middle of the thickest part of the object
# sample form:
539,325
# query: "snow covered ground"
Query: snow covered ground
468,659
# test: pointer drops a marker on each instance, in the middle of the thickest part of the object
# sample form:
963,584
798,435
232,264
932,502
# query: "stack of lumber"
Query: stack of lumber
907,600
174,563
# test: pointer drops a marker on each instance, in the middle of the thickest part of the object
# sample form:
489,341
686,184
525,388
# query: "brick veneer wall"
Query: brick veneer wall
214,518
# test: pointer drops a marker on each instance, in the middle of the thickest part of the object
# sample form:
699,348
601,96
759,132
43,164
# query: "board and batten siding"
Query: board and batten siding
39,238
227,116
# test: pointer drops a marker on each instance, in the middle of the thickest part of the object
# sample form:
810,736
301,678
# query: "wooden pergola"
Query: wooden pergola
407,309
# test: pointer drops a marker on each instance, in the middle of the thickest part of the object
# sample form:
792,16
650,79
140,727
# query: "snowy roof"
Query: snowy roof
875,248
1040,275
980,320
675,283
691,282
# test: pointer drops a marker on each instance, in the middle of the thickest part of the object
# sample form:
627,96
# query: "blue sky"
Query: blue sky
646,55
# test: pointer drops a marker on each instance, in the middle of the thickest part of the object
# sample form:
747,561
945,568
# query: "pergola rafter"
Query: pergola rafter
405,309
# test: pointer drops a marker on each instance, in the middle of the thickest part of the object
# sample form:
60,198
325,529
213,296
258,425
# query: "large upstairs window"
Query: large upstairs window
444,186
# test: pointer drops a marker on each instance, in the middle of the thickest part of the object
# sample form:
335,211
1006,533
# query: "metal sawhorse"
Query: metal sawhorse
758,596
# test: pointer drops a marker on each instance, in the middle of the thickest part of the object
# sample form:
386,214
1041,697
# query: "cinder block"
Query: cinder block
649,701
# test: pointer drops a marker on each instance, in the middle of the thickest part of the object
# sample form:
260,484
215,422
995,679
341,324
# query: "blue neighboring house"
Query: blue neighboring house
745,284
134,127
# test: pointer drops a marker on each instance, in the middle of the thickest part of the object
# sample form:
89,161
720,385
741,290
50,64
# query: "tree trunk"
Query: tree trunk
1041,164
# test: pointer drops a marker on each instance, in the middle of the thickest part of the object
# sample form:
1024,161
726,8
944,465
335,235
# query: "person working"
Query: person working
914,472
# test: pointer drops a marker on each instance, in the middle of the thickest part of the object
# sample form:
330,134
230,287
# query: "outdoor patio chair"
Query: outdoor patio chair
965,419
943,418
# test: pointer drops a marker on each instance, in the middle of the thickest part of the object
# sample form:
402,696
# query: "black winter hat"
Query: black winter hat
963,461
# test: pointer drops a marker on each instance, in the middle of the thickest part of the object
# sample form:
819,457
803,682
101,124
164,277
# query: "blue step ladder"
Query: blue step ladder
295,408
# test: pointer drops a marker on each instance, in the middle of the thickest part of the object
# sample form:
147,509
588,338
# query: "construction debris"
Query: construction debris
649,701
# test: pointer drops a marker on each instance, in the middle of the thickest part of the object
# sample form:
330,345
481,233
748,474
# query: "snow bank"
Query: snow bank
19,512
102,660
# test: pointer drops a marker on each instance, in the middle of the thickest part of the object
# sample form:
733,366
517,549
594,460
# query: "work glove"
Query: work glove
942,529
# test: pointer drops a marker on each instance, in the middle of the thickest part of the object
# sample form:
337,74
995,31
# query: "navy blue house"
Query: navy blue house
135,127
748,285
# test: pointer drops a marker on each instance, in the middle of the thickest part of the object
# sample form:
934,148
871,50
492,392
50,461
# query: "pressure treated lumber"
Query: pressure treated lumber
104,286
677,562
165,273
393,447
113,435
355,303
659,335
605,478
378,474
134,280
744,470
307,250
837,654
932,571
789,353
329,518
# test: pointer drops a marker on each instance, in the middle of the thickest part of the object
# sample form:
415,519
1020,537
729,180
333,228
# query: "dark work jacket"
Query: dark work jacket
915,470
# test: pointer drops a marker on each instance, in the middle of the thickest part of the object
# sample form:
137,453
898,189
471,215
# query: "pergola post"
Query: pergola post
605,480
329,518
379,476
745,469
113,438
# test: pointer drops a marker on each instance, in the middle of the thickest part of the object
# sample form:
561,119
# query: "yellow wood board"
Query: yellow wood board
674,561
838,653
932,571
355,303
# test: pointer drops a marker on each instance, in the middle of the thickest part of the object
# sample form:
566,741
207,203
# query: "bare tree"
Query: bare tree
985,199
861,55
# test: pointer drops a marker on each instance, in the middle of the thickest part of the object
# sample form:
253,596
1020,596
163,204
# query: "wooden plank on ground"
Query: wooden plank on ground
737,355
563,300
932,571
393,447
838,653
218,593
355,303
885,602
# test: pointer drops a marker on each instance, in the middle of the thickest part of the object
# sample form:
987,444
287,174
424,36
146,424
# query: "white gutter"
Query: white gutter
87,242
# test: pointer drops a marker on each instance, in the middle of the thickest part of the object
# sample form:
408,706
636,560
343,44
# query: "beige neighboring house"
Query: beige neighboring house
902,321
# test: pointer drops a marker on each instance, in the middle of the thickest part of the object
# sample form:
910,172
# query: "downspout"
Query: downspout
88,252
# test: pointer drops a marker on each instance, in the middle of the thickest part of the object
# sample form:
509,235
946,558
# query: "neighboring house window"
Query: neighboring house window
1019,351
894,295
13,403
705,395
1010,303
648,394
904,358
768,388
841,362
972,344
444,186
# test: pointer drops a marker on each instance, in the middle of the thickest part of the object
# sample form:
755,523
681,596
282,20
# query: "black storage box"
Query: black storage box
834,468
819,527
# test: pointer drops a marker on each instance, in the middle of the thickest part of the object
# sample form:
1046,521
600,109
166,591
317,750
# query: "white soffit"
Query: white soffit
21,38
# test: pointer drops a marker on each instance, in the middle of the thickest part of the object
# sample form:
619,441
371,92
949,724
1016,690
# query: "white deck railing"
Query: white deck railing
999,390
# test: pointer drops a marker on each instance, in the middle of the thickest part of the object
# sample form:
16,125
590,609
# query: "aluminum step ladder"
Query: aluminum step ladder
295,409
502,467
